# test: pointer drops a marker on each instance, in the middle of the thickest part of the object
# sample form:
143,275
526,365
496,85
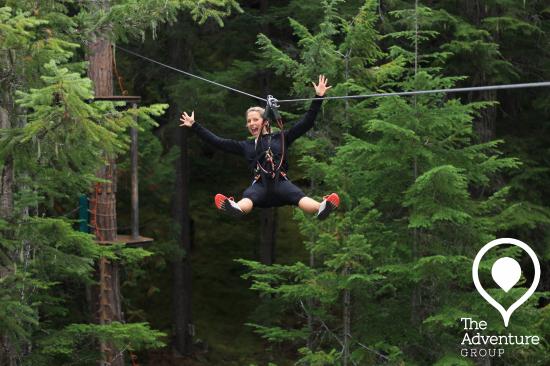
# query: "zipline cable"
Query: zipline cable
362,96
416,92
189,74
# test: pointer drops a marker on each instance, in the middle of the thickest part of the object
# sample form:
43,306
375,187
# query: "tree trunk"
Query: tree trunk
347,293
268,218
310,304
101,67
7,178
7,356
6,112
347,322
183,329
416,295
100,56
485,125
181,268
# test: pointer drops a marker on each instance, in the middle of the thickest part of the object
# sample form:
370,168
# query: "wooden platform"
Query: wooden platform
119,98
128,240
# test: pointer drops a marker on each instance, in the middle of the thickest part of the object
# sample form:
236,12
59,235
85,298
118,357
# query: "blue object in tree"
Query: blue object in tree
83,213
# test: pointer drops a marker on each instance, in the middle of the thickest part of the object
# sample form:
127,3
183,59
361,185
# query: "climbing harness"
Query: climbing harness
271,114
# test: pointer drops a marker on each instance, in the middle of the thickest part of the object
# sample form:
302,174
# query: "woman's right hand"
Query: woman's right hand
187,120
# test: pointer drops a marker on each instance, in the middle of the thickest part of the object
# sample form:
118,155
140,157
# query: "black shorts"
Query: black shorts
273,193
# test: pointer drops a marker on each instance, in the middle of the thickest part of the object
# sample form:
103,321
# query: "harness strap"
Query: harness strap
271,112
257,177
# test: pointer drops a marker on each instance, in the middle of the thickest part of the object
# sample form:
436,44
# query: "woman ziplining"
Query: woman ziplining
266,155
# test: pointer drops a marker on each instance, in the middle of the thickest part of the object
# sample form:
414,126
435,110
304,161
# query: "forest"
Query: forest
112,249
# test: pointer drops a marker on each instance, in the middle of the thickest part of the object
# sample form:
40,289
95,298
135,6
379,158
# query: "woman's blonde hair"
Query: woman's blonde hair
255,109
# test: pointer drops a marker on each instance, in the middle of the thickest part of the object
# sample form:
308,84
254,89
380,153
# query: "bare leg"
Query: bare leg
308,205
245,205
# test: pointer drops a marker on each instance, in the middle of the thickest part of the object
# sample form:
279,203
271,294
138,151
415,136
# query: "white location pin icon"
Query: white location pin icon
506,273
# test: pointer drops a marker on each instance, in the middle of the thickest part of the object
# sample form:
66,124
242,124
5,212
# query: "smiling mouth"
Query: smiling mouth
254,130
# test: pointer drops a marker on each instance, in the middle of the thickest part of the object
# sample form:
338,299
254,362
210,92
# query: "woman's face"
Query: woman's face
254,123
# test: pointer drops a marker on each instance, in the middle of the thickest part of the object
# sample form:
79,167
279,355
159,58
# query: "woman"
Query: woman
271,187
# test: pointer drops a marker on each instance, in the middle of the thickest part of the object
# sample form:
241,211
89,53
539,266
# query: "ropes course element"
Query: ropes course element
362,96
93,210
191,75
119,78
417,92
102,209
134,359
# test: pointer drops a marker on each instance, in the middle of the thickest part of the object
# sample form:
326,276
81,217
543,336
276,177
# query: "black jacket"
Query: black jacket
254,153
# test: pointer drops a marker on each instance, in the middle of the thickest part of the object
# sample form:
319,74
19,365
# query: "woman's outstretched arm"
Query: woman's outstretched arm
308,120
227,145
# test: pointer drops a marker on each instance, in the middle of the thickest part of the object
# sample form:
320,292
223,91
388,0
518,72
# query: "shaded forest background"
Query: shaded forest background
425,182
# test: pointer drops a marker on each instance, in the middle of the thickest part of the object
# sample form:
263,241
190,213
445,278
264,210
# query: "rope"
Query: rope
118,77
416,92
269,154
93,210
281,127
189,74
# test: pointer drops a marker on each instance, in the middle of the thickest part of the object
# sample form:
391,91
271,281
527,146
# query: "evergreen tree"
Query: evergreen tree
53,140
387,279
408,171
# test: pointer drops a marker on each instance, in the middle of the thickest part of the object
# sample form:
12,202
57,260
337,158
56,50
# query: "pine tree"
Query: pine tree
53,140
391,273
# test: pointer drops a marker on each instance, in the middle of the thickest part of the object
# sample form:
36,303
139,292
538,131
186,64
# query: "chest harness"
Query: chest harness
272,169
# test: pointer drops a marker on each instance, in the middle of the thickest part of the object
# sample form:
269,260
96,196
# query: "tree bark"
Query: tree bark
183,329
181,268
7,180
485,125
6,113
100,71
268,218
101,67
7,177
347,322
416,295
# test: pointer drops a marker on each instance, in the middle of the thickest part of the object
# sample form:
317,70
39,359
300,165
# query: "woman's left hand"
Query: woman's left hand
321,88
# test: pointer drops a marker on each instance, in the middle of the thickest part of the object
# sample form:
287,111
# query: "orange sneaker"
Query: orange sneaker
227,205
329,204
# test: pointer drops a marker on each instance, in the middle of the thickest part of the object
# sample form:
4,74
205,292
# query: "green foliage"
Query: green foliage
16,30
318,358
125,19
133,336
277,334
57,139
420,190
366,151
408,171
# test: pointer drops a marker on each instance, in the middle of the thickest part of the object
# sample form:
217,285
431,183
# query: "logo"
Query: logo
506,272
